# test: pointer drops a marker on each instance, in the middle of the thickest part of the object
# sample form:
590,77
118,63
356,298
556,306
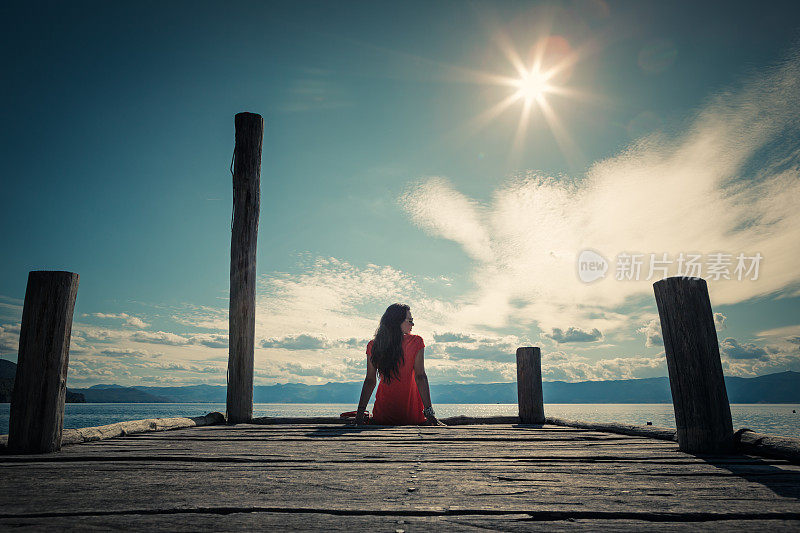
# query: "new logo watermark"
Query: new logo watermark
591,266
635,266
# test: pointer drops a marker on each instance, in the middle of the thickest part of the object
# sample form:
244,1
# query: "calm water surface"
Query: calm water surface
775,419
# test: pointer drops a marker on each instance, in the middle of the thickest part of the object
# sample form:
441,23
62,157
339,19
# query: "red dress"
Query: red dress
398,403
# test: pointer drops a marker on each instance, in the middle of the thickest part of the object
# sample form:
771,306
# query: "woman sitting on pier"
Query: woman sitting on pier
403,396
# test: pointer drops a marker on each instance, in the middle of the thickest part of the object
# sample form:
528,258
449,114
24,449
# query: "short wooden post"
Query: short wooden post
36,418
529,385
702,411
244,233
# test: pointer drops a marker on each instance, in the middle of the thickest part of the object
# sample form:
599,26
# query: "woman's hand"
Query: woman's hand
433,421
361,418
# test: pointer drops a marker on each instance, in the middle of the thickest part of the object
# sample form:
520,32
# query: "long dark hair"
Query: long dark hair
387,347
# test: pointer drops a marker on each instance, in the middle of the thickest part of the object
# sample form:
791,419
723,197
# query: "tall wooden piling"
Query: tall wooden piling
36,418
529,385
244,233
702,411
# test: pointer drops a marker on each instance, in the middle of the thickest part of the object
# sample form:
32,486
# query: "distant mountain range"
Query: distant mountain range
782,387
8,373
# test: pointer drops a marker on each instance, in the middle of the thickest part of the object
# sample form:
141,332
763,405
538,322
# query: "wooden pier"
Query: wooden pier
312,476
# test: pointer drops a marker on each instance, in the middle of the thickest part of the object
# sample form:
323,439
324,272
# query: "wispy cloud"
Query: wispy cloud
9,338
211,340
732,349
128,320
441,210
500,350
652,333
128,353
719,321
780,332
454,337
559,366
10,307
202,316
573,334
313,89
728,182
159,337
749,359
297,342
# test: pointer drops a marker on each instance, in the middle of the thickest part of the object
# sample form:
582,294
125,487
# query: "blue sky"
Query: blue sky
387,176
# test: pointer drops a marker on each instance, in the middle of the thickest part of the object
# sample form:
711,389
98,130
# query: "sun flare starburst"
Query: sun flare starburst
532,86
542,77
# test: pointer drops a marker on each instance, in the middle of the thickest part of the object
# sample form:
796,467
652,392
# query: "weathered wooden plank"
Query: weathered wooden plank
294,521
316,420
447,472
511,474
363,490
202,450
508,470
326,472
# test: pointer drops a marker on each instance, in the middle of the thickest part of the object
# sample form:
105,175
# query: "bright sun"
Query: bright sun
548,67
532,86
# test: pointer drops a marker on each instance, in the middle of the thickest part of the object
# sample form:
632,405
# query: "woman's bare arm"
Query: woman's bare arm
366,391
422,378
422,383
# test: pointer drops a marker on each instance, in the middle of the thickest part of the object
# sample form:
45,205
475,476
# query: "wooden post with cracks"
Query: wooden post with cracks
702,411
529,385
36,418
244,233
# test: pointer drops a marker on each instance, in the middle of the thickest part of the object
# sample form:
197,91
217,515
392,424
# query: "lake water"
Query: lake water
775,419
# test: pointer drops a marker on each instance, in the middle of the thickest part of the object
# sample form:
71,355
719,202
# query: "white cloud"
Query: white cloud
733,349
573,334
469,371
719,321
748,359
498,350
332,298
556,366
86,333
11,308
9,338
720,185
159,337
559,366
453,337
211,340
785,331
202,316
128,353
438,208
652,333
298,342
128,320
